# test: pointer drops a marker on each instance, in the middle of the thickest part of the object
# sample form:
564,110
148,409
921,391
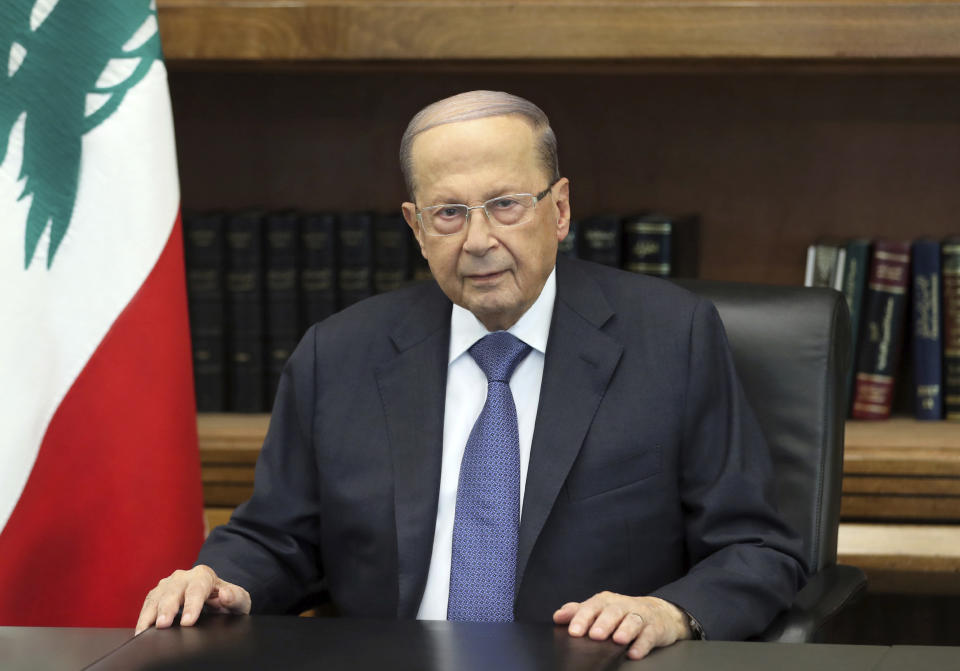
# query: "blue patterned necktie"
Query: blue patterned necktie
487,520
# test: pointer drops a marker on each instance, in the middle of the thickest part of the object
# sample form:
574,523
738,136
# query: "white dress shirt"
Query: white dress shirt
466,394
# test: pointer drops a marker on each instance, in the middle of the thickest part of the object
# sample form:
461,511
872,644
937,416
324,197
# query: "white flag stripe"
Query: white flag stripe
125,211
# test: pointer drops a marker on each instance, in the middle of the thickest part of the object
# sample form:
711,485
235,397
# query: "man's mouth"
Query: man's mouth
485,277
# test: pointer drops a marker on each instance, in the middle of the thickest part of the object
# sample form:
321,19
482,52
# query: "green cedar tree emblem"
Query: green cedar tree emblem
60,62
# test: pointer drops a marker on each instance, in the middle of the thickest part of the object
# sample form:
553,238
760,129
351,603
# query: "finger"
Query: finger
629,628
646,641
169,599
196,593
585,615
233,598
566,612
148,614
607,621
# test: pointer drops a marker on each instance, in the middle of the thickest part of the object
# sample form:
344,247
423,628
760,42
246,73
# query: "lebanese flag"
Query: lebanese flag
100,492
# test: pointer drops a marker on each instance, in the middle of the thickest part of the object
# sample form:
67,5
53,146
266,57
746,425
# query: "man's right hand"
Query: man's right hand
191,589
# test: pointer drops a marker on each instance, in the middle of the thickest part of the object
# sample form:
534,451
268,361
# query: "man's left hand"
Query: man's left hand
645,621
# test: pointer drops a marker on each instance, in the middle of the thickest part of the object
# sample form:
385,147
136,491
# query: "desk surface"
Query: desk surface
238,643
24,648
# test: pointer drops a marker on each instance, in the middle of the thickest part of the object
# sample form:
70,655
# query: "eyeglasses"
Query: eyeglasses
507,211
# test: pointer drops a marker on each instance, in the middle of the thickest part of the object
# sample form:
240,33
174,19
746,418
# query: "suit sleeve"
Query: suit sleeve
746,563
271,544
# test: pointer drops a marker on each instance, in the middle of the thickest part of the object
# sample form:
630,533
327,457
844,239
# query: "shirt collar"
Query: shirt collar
533,327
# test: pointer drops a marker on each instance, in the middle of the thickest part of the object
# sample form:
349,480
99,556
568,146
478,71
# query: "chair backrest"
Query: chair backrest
791,346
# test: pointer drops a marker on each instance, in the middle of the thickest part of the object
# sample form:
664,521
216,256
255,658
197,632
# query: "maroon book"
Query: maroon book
881,338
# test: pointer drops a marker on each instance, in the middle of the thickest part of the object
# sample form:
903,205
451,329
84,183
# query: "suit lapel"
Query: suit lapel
412,392
579,363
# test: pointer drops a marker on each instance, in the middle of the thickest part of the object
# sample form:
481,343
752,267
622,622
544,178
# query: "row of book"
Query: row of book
903,297
257,280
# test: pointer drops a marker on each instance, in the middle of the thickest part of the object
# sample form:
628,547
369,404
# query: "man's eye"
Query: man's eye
448,212
504,203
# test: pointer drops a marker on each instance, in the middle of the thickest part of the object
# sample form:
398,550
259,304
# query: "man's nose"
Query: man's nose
479,229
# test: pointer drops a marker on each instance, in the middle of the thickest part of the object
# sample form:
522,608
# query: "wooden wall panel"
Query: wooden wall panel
457,29
770,159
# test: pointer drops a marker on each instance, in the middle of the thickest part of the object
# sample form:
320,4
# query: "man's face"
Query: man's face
495,272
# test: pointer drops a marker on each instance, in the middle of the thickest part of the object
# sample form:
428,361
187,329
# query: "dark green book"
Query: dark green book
355,276
245,314
391,252
205,254
599,239
854,288
318,268
281,240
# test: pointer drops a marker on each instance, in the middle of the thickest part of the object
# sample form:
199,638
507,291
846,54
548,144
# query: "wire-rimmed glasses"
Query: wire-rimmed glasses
506,211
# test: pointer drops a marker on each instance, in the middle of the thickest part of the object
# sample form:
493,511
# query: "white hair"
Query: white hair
479,105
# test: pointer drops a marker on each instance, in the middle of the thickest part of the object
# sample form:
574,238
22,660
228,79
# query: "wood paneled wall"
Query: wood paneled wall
770,158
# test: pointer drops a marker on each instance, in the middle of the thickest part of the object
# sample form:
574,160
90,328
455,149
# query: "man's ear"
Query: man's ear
410,216
561,198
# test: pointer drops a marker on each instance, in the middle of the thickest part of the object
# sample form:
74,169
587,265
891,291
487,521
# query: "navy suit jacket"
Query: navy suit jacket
648,472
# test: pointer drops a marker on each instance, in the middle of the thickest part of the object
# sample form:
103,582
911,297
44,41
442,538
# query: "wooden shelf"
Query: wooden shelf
899,469
903,559
352,30
902,469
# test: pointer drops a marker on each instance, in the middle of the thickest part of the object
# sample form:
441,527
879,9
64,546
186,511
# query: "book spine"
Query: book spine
951,326
391,253
245,312
883,333
854,287
600,240
204,256
355,277
282,293
318,265
647,245
927,334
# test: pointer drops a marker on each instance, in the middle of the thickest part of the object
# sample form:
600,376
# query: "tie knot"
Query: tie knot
498,354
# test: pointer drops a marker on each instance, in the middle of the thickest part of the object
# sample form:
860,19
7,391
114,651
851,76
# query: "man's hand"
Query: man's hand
191,589
645,621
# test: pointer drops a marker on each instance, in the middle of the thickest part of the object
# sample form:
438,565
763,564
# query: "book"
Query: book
204,255
646,244
318,265
927,345
663,245
854,288
355,273
826,260
882,336
950,260
281,240
599,239
245,316
391,252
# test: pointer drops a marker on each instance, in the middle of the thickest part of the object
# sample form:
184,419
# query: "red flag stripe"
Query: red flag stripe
114,500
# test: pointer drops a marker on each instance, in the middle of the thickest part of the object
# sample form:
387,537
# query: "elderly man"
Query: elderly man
528,438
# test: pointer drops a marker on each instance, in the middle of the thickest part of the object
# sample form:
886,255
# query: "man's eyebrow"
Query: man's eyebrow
447,199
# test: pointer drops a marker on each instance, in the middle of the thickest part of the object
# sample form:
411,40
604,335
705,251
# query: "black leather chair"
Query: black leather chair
791,346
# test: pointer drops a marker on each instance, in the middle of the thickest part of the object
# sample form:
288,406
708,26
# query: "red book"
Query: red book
951,326
882,336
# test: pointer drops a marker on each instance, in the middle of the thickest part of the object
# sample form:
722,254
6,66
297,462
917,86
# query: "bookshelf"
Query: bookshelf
778,121
257,30
895,470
